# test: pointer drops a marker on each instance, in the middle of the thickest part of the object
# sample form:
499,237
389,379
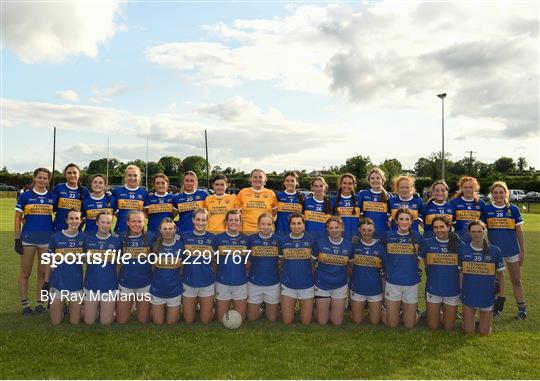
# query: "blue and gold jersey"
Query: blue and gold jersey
264,260
401,258
348,208
433,209
315,216
92,206
37,209
297,254
158,208
67,198
197,270
288,203
372,206
231,261
501,222
186,203
126,200
368,260
414,204
442,268
137,272
166,279
101,276
466,211
332,259
67,276
479,274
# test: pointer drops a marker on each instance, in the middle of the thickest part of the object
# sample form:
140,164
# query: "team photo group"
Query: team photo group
152,256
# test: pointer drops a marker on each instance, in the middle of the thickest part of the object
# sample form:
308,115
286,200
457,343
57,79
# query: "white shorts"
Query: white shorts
304,293
512,259
56,294
224,292
337,293
98,296
362,298
268,294
449,300
405,294
171,302
134,291
201,292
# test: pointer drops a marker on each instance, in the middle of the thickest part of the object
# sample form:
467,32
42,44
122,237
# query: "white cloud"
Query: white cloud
52,31
67,95
384,55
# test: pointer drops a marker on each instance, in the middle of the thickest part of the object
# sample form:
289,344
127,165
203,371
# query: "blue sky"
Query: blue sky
277,85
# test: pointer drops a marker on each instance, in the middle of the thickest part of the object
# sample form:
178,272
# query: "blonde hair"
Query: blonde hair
401,178
501,184
137,169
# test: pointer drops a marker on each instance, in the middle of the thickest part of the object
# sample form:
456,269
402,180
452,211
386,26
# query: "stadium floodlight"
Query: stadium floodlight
442,96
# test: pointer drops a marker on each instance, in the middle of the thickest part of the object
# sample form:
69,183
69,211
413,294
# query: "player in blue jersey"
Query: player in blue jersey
198,273
333,254
69,195
373,202
101,279
135,273
99,200
504,223
128,197
366,282
66,270
33,227
404,188
296,252
289,201
189,199
467,206
345,204
436,206
263,277
317,208
402,271
232,255
440,255
160,204
166,287
481,265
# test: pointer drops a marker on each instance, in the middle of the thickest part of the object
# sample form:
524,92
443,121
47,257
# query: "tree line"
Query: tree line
426,170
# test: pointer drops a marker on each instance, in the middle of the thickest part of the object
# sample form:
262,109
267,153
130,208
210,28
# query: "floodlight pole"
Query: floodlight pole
442,96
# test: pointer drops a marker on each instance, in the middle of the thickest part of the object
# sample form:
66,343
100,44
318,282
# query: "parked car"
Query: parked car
517,194
5,187
532,197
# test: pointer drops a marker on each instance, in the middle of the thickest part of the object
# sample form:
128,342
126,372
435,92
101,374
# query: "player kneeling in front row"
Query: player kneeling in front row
231,278
101,280
440,255
166,287
366,281
66,271
263,278
297,278
332,253
481,263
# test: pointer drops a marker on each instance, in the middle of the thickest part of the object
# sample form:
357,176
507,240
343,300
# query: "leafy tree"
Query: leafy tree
357,165
521,164
392,168
196,164
172,166
504,165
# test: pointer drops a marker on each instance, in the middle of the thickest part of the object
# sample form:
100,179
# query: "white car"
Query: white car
517,194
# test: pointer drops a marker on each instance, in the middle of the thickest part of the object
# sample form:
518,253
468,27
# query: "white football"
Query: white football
232,319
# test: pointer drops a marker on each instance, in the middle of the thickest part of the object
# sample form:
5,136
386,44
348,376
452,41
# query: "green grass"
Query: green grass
32,348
